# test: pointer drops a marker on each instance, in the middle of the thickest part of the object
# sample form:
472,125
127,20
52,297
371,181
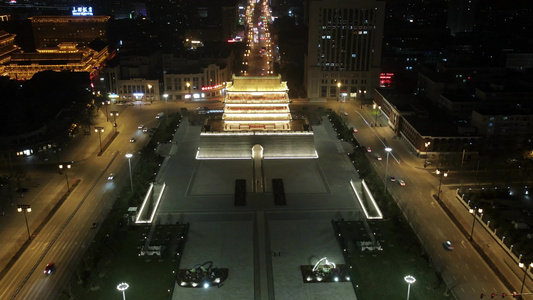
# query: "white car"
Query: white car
379,157
111,177
140,126
132,140
401,182
448,245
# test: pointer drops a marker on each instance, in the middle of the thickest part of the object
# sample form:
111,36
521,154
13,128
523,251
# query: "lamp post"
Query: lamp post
410,280
123,287
25,208
166,107
338,90
66,167
386,168
473,212
114,114
99,130
150,92
377,112
105,104
426,144
188,84
522,265
128,156
442,174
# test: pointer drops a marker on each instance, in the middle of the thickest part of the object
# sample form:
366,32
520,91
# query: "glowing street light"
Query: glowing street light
188,84
99,130
426,145
166,107
114,114
25,208
338,90
105,104
442,174
123,287
410,280
525,267
473,212
66,167
129,156
388,149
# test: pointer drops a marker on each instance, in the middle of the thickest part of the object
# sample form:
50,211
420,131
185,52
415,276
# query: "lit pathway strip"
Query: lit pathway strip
379,215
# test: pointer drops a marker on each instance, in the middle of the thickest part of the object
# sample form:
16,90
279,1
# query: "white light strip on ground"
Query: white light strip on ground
380,216
292,157
157,203
244,122
144,203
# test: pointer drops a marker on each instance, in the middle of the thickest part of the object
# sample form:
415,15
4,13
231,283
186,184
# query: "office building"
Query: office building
344,51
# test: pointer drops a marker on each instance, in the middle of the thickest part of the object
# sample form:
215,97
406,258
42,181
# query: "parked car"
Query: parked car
401,182
159,115
379,157
140,126
392,178
94,225
111,176
355,130
133,140
368,149
50,267
145,129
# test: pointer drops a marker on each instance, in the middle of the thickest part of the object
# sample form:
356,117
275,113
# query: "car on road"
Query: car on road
133,140
392,178
368,149
401,182
94,225
50,267
448,245
345,113
111,176
140,126
145,129
355,130
159,115
379,157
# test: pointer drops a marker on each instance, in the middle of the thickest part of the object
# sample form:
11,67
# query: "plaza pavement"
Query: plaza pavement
243,239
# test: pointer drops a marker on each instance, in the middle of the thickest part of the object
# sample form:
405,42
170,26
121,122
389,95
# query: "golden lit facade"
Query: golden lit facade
256,103
66,57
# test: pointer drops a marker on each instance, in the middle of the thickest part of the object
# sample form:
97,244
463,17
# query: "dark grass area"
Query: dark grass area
148,277
380,274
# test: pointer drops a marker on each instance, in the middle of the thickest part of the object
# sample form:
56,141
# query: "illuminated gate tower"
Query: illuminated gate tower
256,124
256,103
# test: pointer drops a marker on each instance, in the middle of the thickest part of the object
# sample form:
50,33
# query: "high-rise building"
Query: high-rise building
344,51
461,15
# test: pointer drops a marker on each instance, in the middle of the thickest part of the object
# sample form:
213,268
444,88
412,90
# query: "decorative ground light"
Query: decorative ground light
325,271
202,276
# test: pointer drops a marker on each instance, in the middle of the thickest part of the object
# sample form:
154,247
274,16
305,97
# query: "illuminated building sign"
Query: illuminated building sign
82,11
385,79
208,88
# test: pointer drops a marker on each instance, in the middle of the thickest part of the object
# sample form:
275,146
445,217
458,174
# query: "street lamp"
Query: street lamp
377,112
442,174
114,114
66,167
150,92
426,144
99,130
166,107
338,90
105,104
188,86
25,208
386,168
129,156
410,280
123,287
522,265
473,212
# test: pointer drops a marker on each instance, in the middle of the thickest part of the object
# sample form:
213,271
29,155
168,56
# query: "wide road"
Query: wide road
65,237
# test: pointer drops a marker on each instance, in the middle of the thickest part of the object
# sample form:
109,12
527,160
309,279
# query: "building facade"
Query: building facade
50,31
345,39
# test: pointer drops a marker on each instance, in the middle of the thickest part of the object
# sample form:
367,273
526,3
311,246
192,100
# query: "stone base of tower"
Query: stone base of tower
275,145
